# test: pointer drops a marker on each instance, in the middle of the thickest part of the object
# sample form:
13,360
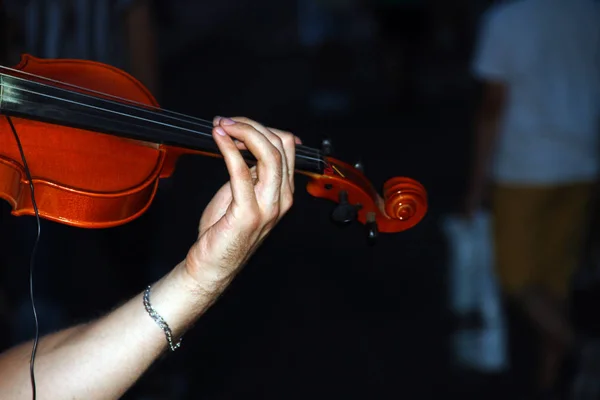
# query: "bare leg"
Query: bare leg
557,335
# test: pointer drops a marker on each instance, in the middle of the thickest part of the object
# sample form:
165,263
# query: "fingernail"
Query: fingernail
218,119
227,121
220,131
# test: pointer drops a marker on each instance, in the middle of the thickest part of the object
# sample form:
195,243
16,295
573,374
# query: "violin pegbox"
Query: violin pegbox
403,205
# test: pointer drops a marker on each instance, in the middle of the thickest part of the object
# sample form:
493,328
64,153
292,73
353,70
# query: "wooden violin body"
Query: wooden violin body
81,178
86,175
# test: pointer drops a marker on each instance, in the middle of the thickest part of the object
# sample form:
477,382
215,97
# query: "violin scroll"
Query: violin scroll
403,205
405,199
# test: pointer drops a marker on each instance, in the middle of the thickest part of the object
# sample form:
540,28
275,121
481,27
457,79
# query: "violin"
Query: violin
92,143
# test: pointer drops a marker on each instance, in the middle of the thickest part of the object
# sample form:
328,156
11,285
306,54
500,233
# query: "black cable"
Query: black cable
32,260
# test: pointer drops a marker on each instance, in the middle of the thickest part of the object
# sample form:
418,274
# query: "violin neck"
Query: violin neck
33,100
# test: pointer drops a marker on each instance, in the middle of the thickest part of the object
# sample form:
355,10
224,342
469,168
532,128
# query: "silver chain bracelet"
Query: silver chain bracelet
160,321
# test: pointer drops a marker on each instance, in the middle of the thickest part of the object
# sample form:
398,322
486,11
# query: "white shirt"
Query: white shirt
548,54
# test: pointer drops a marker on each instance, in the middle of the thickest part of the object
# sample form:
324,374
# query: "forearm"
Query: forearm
103,359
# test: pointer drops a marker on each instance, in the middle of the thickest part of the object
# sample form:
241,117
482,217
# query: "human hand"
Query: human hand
247,208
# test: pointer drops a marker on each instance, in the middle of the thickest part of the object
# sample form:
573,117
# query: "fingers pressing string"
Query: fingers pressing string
268,157
277,141
278,132
242,186
287,146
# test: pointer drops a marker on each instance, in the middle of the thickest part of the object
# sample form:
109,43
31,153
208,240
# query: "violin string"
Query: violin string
32,259
303,152
299,154
118,101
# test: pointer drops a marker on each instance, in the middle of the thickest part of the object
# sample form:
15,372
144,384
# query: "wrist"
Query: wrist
203,278
180,299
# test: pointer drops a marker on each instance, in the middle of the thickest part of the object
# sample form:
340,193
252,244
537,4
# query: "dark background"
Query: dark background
317,313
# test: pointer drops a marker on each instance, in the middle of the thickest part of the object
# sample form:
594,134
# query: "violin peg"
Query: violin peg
326,147
372,229
359,166
344,212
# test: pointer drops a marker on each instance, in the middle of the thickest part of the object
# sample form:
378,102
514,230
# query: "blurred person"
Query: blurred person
102,359
537,144
338,35
324,21
120,33
403,24
4,35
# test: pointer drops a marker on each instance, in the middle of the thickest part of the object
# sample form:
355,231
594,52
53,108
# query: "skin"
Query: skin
102,359
546,312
